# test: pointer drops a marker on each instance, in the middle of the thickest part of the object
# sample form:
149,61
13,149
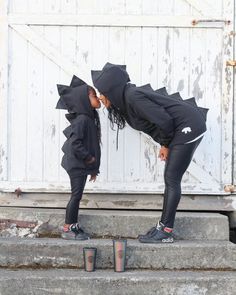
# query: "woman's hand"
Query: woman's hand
93,178
163,153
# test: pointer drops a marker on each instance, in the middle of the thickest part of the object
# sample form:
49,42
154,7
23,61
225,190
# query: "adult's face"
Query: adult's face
104,99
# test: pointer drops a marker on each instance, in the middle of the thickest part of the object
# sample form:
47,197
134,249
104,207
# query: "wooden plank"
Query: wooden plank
3,90
116,155
68,45
100,41
212,99
17,6
165,58
135,185
53,54
203,7
234,115
132,143
35,104
118,201
18,79
111,20
50,114
227,97
149,7
86,6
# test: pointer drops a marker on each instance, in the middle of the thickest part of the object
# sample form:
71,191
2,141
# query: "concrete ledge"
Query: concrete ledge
119,201
74,282
110,223
58,253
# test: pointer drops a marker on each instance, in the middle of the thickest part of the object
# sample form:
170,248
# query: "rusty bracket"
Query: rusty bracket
197,21
231,63
232,33
18,192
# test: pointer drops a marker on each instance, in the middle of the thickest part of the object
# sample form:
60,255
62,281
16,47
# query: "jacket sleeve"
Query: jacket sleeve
163,139
157,115
77,141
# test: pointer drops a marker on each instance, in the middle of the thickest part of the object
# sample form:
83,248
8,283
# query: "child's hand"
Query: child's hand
163,153
93,178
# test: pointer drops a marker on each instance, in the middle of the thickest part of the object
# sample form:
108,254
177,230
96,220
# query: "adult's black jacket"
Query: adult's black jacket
168,119
82,145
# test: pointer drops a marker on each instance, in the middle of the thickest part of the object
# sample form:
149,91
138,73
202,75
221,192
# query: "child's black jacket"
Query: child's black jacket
82,144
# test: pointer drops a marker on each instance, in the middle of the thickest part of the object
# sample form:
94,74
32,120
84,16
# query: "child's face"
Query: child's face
94,100
106,102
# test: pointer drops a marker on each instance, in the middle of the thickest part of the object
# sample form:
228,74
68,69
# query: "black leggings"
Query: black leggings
77,188
179,158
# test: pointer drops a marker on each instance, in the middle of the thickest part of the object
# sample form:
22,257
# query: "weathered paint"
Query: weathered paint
186,59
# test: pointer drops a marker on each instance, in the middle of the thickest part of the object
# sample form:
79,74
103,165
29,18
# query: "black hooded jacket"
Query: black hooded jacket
168,119
82,145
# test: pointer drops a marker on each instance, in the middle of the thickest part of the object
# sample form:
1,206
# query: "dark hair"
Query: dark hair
116,117
96,116
98,125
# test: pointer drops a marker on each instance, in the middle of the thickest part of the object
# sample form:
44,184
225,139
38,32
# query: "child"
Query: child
81,149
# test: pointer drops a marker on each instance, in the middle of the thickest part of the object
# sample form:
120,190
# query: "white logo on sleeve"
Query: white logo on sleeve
186,130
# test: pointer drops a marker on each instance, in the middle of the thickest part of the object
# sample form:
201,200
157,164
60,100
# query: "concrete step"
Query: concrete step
74,282
110,223
58,253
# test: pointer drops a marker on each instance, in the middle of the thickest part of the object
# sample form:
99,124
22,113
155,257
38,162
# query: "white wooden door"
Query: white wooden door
180,44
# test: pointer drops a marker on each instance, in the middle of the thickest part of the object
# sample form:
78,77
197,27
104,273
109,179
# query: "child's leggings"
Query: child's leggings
179,158
77,188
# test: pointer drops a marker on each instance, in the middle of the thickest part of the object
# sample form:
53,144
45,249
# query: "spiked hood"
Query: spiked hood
111,81
74,98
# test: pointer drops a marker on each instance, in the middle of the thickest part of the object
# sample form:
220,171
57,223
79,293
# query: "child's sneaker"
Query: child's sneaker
67,234
74,232
157,235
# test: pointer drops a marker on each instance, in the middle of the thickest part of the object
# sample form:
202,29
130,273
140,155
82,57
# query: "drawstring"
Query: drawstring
117,138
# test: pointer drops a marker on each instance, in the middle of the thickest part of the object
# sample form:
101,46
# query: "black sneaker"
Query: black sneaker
74,232
67,234
157,236
150,232
81,235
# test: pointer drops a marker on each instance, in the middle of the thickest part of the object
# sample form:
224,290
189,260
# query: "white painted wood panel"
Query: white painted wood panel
57,39
3,91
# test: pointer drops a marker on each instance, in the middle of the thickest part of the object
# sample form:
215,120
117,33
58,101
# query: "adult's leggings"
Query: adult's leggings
77,188
179,158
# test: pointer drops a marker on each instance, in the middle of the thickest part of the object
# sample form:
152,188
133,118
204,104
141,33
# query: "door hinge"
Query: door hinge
231,63
229,188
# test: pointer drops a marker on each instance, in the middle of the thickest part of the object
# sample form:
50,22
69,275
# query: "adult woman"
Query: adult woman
177,125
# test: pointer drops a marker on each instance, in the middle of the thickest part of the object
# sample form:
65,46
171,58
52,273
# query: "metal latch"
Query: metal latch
231,63
197,21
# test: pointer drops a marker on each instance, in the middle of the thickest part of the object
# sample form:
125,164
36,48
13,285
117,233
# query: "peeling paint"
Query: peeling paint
85,56
180,85
168,44
197,91
53,128
217,70
2,153
176,32
150,70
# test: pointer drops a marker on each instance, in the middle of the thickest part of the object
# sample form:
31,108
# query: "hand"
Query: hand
93,178
163,153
